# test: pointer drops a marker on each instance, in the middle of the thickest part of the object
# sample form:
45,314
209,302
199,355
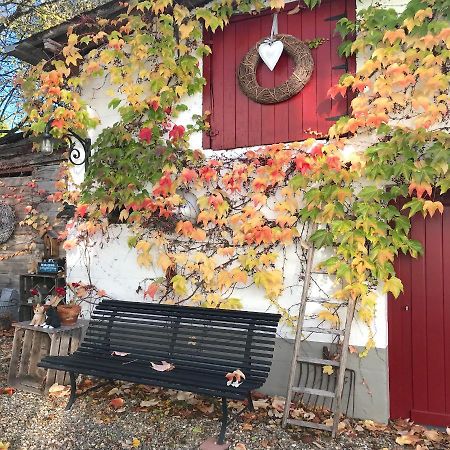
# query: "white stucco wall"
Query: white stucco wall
112,264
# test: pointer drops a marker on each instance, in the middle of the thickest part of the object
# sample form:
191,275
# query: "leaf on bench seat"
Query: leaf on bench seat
115,353
163,367
235,378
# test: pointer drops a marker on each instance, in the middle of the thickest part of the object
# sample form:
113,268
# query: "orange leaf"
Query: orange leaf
116,403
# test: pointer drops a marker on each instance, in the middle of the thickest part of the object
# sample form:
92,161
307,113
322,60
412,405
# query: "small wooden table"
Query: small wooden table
31,344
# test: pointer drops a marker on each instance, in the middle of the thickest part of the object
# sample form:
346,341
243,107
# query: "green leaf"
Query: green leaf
322,238
297,182
114,103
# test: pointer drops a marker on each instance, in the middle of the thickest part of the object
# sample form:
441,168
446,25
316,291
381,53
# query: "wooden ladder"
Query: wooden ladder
297,358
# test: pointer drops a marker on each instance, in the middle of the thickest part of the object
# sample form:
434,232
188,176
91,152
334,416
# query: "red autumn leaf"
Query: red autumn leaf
58,123
145,134
151,290
335,90
334,162
207,173
116,403
302,164
177,132
82,210
154,105
188,175
316,152
7,390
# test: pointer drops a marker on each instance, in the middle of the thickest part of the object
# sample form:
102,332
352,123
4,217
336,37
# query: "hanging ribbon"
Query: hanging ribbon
274,30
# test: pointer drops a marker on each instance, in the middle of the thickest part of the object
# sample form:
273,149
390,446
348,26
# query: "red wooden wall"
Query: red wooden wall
419,327
237,121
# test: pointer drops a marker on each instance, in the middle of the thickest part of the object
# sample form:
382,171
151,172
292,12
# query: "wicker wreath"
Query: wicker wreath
7,222
304,65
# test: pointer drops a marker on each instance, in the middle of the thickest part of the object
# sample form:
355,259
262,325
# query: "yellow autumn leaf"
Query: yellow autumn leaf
393,285
179,285
328,370
271,281
164,262
143,250
431,207
4,445
186,29
180,12
275,4
135,442
328,317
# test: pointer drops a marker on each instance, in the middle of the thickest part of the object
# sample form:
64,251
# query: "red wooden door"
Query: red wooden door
419,327
236,121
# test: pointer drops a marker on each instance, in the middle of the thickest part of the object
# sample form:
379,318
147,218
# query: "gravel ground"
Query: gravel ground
162,422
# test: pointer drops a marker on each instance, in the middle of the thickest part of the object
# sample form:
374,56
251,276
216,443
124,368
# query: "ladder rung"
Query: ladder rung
322,330
304,423
311,391
323,362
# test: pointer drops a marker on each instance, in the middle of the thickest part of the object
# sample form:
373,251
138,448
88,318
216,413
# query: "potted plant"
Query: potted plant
69,311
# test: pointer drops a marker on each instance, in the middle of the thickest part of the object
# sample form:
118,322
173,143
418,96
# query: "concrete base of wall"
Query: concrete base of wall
371,380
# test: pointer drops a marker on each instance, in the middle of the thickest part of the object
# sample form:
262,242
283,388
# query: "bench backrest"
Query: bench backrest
201,339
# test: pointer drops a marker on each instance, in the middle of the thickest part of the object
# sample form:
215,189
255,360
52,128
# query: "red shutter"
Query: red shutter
237,121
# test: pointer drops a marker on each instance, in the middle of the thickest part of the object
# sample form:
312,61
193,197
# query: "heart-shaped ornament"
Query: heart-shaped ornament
270,53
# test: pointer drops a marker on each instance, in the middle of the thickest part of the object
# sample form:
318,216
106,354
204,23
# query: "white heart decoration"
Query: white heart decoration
270,53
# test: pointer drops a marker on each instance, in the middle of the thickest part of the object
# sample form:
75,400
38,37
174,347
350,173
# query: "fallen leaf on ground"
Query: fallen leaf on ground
116,403
57,390
247,427
204,408
374,426
163,367
135,442
262,403
278,403
240,446
148,403
113,391
7,390
115,353
408,439
420,447
433,435
4,445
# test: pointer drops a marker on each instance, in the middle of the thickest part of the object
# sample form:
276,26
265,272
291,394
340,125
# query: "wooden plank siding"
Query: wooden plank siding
19,166
236,121
419,327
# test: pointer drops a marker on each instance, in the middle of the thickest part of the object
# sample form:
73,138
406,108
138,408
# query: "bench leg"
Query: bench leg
223,428
250,405
73,390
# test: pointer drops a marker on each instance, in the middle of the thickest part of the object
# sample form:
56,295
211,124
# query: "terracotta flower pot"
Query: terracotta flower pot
68,314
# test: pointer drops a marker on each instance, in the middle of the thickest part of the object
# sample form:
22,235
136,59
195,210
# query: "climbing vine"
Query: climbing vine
214,225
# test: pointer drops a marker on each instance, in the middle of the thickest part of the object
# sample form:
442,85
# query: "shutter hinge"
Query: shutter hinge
341,66
337,17
334,118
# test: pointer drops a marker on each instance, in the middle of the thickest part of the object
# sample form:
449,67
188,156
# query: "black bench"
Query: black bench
203,344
